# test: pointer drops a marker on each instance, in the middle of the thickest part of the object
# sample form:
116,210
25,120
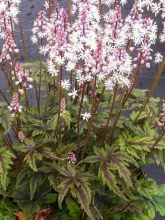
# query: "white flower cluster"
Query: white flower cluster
9,11
15,106
98,48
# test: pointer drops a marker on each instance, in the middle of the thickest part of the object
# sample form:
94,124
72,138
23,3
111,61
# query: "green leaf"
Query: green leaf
7,209
31,159
159,200
147,188
33,186
34,152
67,118
77,184
151,198
50,198
65,186
84,202
141,117
110,160
5,119
22,177
75,211
5,164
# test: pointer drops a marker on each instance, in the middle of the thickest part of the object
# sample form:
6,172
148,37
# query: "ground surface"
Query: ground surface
29,10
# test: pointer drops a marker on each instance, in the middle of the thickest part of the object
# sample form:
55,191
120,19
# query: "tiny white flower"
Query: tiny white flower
163,107
73,94
158,58
34,39
109,84
46,5
65,84
21,91
86,116
43,50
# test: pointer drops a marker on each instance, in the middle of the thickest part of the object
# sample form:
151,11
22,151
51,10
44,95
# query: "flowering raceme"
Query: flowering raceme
15,107
8,18
9,47
8,13
21,77
97,45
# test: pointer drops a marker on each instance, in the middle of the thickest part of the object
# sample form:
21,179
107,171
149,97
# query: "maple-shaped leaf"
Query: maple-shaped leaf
110,160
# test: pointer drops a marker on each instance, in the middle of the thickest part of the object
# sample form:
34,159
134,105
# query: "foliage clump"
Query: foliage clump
75,132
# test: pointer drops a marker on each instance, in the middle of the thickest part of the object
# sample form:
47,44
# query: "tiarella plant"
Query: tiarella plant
74,129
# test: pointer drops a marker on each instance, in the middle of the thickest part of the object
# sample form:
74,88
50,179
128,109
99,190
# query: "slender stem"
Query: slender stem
46,84
76,88
6,195
40,81
125,98
50,9
14,130
87,136
153,87
9,143
60,97
159,137
11,23
26,106
97,104
54,87
3,95
7,78
22,38
78,119
36,93
6,141
100,6
9,138
111,110
134,79
119,110
97,210
71,80
125,207
69,11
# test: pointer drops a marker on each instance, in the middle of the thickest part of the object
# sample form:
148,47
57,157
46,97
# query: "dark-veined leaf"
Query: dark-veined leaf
5,119
77,183
110,160
5,164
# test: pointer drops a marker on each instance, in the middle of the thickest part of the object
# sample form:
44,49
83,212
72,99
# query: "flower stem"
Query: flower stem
50,9
159,137
26,106
78,120
4,97
36,93
100,6
69,11
93,110
119,110
7,78
153,87
23,39
40,81
111,110
60,97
